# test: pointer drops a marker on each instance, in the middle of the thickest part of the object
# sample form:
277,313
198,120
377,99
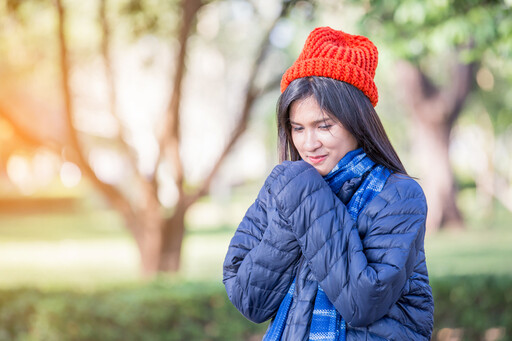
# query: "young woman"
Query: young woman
332,248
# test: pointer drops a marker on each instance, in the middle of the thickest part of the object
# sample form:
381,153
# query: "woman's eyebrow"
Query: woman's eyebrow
323,120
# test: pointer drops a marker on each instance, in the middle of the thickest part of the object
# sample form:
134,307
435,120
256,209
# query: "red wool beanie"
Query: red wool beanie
338,55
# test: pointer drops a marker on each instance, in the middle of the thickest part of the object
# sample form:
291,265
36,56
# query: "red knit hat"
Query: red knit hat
338,55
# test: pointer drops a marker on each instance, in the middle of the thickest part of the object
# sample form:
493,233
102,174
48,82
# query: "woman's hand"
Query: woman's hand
292,183
260,263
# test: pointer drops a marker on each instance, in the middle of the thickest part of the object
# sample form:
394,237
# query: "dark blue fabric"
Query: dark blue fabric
373,270
354,164
275,332
326,322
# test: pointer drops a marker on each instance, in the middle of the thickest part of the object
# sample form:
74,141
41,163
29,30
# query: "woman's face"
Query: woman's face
320,140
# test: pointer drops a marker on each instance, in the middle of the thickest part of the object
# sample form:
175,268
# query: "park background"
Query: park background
134,134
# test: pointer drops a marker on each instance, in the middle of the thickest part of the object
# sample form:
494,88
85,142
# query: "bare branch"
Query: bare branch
115,197
421,94
251,94
170,142
455,95
30,139
112,95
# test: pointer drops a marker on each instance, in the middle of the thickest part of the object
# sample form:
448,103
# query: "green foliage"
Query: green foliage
155,311
162,310
473,303
415,28
436,36
17,309
158,17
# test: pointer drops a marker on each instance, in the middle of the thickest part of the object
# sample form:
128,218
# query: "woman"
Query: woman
332,248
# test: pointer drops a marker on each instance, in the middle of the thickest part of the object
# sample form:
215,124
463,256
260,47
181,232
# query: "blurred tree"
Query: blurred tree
157,228
17,104
159,237
440,45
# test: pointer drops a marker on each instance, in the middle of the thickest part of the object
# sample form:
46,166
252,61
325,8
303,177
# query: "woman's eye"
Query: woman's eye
297,128
326,126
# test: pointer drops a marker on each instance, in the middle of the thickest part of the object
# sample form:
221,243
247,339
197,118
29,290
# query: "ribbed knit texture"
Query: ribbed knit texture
338,55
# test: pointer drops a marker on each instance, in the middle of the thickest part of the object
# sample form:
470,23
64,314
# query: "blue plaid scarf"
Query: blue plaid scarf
326,322
353,165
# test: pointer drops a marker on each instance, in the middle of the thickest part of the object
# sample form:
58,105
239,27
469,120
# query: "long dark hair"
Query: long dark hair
344,103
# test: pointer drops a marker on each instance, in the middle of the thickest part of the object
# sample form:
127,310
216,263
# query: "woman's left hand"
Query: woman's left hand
294,182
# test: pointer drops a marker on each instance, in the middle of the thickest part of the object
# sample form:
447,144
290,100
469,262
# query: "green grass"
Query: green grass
61,226
469,252
87,250
484,247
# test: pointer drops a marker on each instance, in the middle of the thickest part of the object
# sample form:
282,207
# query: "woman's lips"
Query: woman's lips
317,159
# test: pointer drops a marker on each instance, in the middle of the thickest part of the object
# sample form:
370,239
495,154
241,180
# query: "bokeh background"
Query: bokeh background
134,134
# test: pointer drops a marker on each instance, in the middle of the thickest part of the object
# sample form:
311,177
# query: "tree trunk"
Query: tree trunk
174,230
431,149
150,247
149,226
158,240
434,111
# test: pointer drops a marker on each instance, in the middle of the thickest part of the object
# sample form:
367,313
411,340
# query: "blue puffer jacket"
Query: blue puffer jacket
373,271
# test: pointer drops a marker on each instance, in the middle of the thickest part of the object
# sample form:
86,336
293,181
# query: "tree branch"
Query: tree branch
251,94
30,139
171,138
420,93
445,103
114,196
455,95
112,96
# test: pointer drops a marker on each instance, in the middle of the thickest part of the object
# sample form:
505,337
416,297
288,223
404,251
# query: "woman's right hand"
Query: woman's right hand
261,260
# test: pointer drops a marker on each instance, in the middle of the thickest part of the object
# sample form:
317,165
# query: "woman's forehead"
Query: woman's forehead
308,109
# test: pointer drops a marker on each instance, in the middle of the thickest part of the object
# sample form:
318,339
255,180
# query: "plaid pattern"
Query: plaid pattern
326,322
355,164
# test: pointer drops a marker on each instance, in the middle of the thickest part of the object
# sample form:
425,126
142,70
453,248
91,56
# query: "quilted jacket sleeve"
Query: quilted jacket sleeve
362,276
259,265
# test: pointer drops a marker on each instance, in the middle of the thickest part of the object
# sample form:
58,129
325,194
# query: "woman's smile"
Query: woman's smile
317,159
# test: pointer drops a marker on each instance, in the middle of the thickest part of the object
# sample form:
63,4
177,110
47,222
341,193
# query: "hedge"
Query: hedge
162,310
474,304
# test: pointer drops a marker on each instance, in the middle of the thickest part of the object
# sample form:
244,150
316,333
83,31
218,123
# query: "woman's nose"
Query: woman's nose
311,142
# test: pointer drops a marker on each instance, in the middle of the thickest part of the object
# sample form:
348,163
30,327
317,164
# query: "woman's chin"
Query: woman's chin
320,169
